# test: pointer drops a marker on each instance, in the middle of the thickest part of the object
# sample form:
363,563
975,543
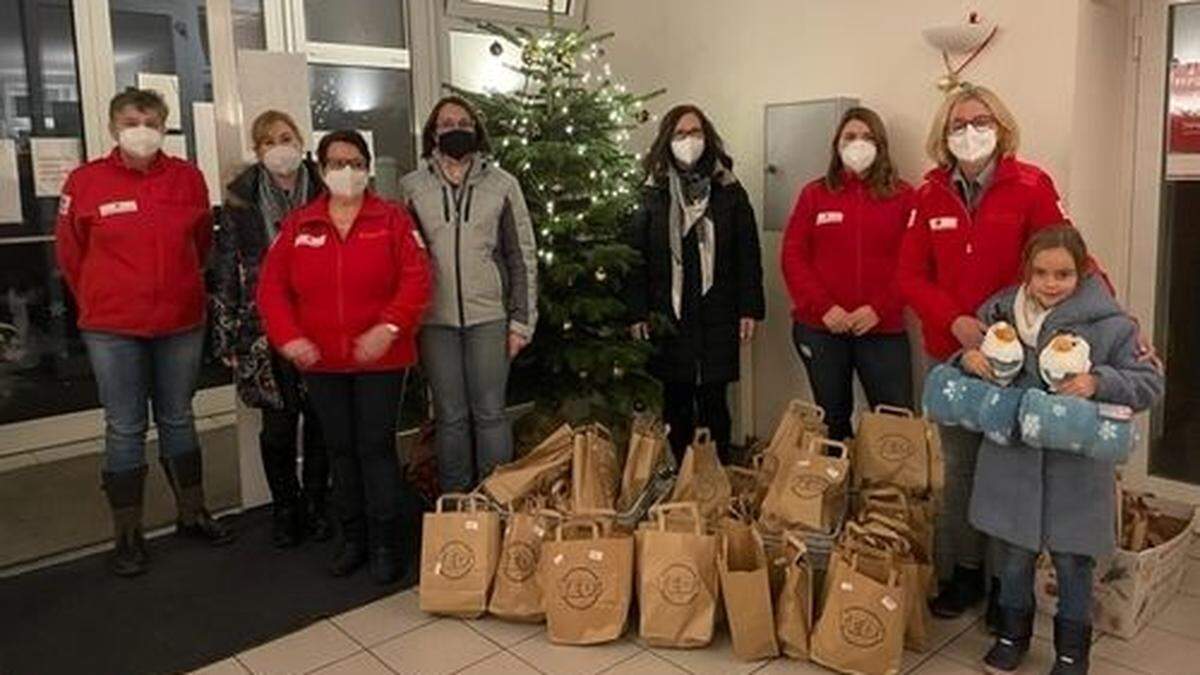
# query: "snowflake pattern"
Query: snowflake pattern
1031,426
1059,410
1108,431
953,391
996,398
997,437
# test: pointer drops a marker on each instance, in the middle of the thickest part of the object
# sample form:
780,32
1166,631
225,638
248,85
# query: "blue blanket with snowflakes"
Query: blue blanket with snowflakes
1076,425
956,399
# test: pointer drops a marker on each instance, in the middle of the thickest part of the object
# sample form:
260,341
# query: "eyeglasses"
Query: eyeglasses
357,164
979,122
465,125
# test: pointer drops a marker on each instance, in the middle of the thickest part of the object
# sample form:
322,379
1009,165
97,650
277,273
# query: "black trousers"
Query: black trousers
358,413
277,442
883,364
687,407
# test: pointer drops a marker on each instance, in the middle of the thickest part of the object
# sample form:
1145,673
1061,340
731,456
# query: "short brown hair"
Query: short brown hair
1008,136
882,175
348,136
1060,235
659,159
429,131
145,100
261,128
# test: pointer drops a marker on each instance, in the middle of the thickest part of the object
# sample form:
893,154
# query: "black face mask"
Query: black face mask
458,143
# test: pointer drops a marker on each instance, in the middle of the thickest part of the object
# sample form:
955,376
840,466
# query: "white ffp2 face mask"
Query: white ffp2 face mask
687,150
858,155
346,181
972,143
140,141
282,160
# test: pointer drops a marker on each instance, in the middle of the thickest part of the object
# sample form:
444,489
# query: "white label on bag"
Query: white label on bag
804,462
889,603
437,569
833,473
827,217
596,555
537,529
558,559
847,586
472,525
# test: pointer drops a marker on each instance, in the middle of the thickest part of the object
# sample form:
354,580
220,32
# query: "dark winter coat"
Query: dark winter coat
704,345
264,380
1047,498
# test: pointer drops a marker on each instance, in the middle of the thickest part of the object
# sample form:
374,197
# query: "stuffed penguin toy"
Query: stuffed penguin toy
1066,355
1004,352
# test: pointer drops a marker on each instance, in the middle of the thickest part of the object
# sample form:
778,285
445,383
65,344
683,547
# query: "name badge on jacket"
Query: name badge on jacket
936,224
830,217
310,240
114,208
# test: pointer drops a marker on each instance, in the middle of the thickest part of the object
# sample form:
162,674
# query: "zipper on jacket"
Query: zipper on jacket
341,304
467,209
858,236
458,277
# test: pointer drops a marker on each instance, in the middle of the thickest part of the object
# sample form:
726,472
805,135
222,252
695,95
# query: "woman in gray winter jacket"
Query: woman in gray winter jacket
473,218
1028,498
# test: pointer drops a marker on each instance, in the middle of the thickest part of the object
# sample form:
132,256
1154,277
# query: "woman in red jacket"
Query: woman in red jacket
974,213
839,260
134,229
342,292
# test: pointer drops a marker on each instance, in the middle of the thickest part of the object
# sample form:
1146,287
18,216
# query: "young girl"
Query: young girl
1029,499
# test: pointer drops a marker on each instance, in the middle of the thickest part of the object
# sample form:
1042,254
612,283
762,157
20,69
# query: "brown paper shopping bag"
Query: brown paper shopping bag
677,579
810,491
595,470
794,602
648,451
882,534
459,553
517,590
587,582
702,479
534,472
746,591
861,628
915,518
894,447
801,421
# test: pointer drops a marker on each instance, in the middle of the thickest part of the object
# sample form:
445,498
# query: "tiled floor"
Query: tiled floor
393,636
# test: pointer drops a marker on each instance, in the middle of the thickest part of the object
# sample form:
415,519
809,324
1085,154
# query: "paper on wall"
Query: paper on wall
167,86
367,134
204,122
175,145
10,183
53,160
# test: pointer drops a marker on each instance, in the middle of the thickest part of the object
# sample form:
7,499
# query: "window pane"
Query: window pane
357,22
560,6
475,64
249,27
368,99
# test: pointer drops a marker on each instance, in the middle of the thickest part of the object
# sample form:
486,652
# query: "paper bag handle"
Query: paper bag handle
895,524
818,442
473,500
792,539
576,524
659,513
798,406
883,495
884,409
702,437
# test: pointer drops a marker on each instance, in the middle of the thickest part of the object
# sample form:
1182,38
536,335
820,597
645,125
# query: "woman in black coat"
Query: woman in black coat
267,191
702,273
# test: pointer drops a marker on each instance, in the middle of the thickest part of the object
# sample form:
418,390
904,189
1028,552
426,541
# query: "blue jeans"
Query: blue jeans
468,371
1015,566
131,372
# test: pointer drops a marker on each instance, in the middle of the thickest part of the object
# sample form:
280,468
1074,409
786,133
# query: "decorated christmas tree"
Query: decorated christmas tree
562,134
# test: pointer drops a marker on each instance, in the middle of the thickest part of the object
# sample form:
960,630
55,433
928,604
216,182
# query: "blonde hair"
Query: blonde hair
260,130
1008,137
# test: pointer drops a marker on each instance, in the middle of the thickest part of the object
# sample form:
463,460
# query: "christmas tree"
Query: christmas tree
562,135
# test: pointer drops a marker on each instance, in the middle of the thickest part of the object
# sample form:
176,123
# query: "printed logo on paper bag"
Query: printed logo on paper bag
895,447
807,485
520,561
861,627
706,487
455,560
580,588
679,584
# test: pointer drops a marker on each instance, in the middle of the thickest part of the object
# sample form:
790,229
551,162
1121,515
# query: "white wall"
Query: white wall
1059,64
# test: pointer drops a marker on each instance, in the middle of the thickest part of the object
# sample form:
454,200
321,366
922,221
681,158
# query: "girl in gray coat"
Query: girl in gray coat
1029,499
473,218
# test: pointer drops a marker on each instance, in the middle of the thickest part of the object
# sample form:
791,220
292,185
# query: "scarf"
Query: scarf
275,203
689,206
1029,317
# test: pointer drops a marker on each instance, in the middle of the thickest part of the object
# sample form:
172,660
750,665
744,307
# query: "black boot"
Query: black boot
124,490
384,569
964,590
1012,641
184,474
352,553
1072,646
317,525
286,525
